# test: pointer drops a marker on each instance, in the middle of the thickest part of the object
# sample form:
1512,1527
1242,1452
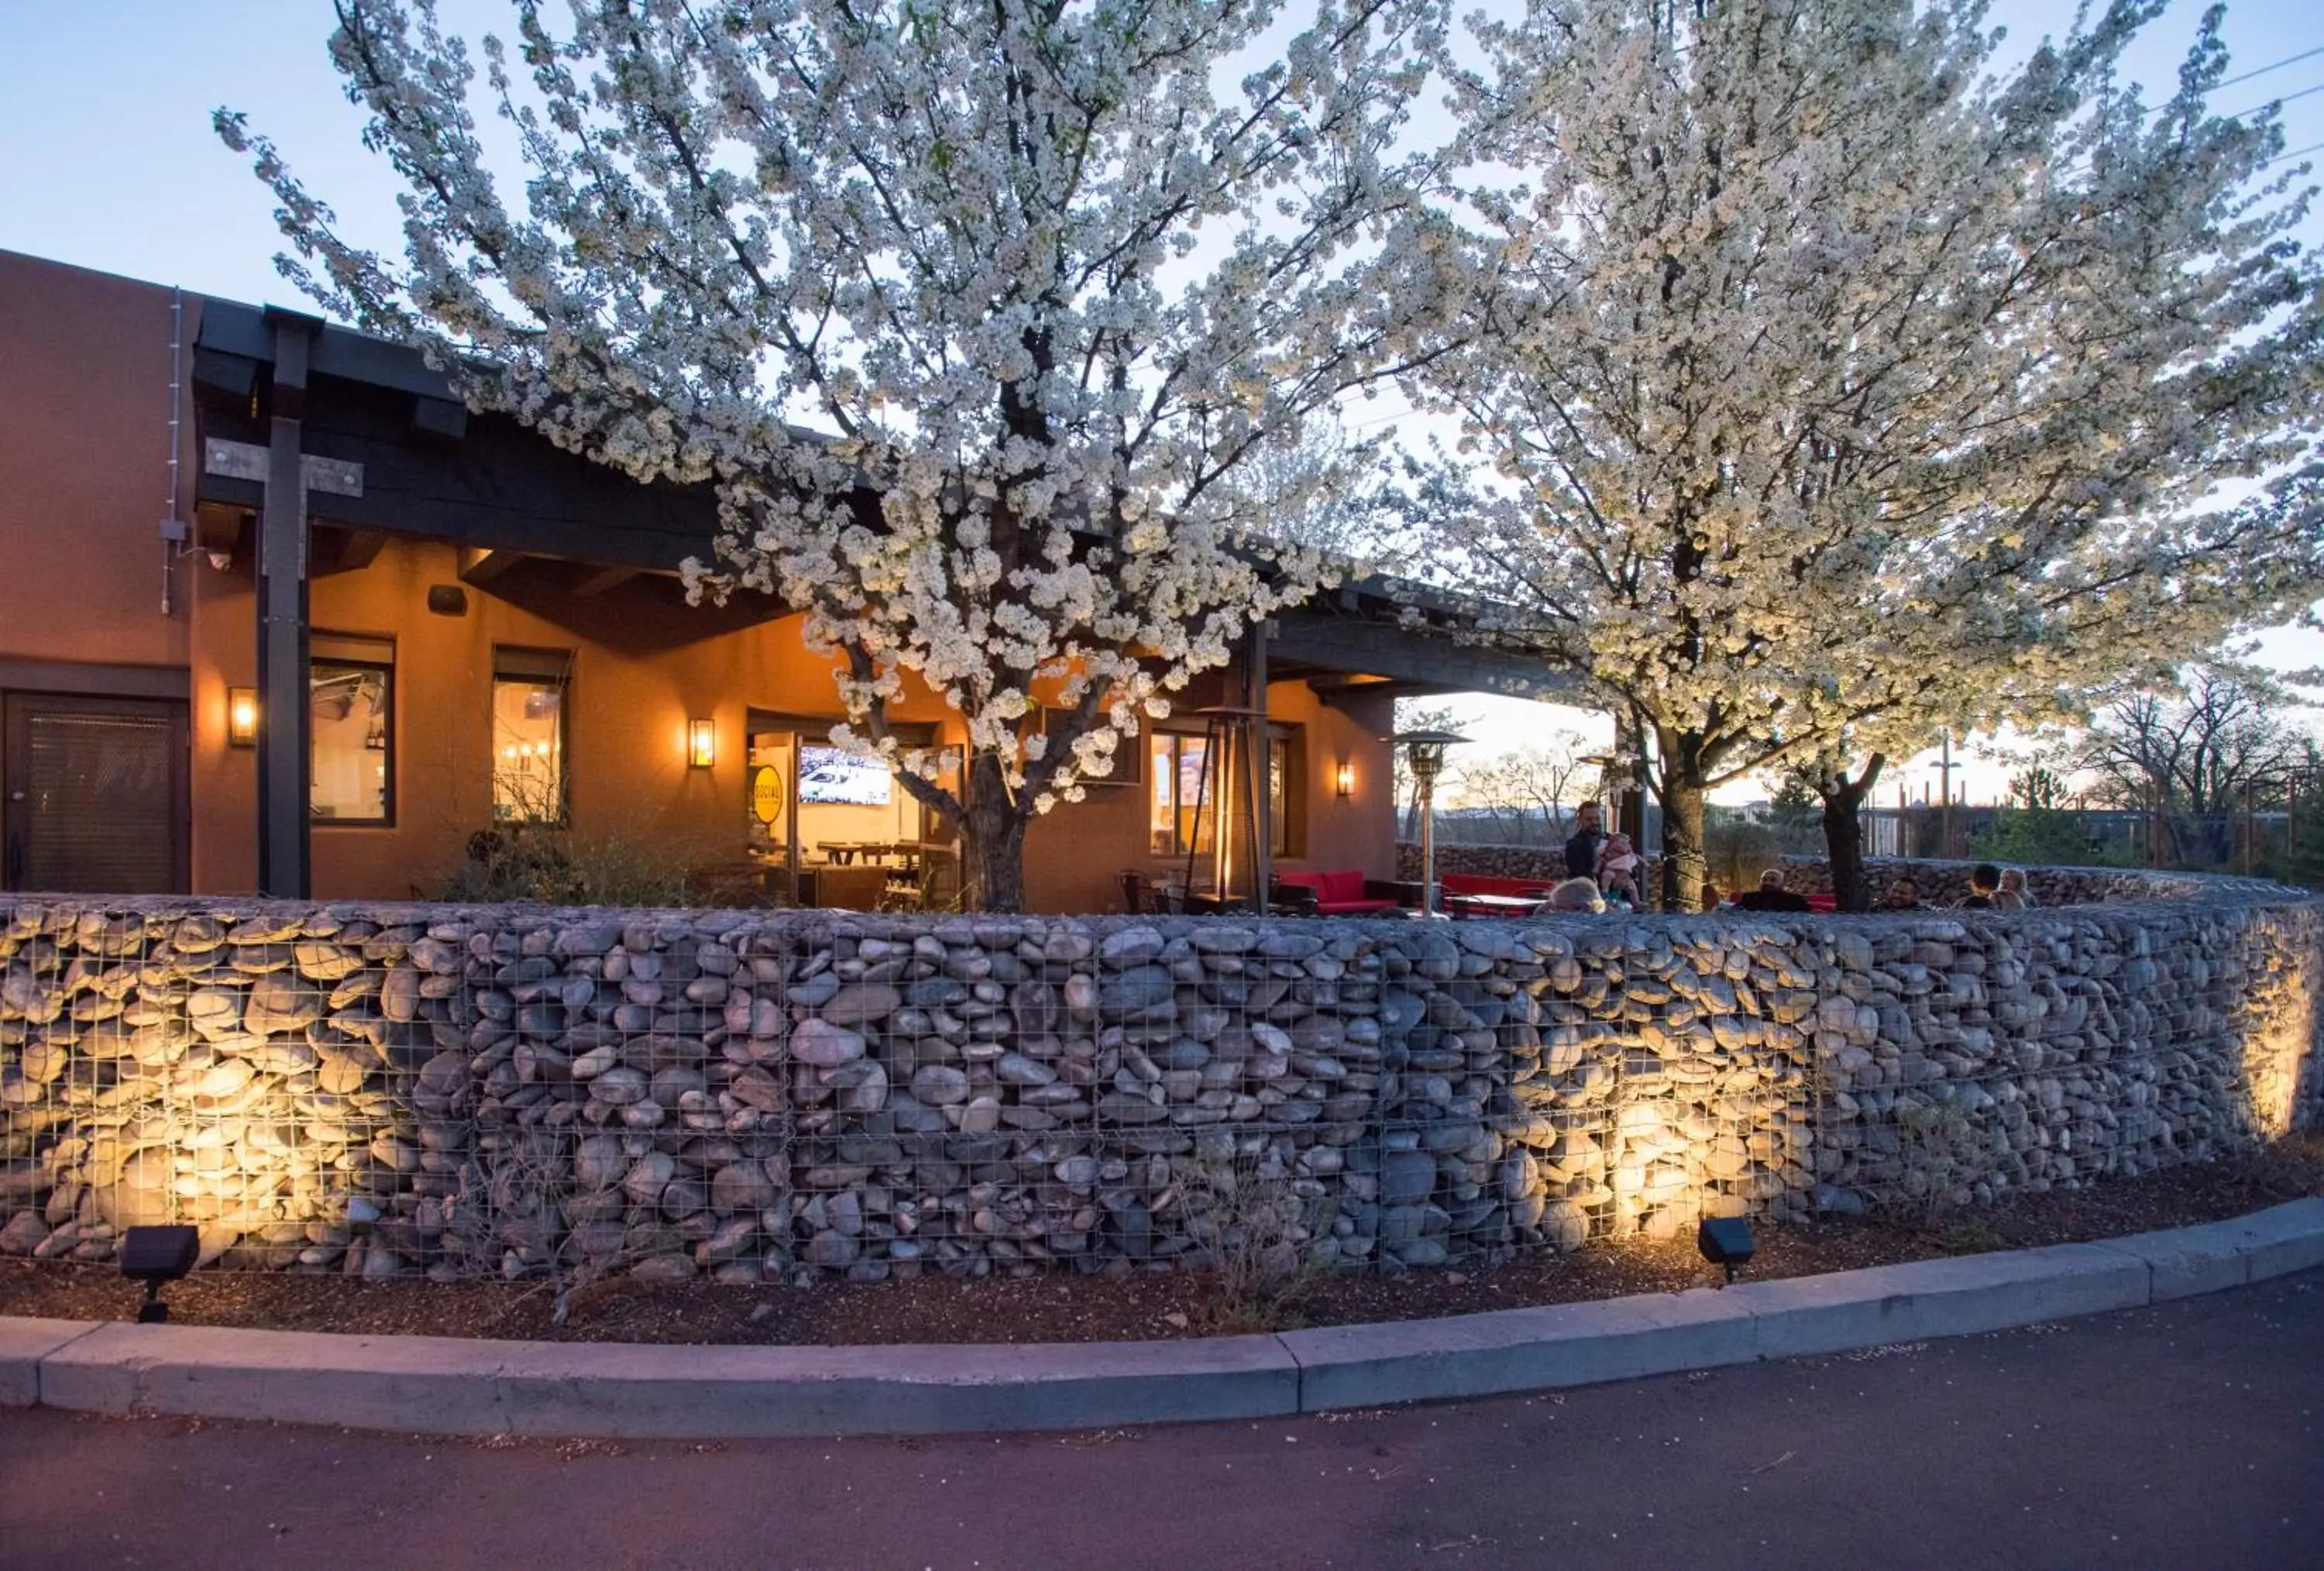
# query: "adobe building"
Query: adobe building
478,632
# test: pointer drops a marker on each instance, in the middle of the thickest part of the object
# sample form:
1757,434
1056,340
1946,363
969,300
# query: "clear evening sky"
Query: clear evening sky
107,160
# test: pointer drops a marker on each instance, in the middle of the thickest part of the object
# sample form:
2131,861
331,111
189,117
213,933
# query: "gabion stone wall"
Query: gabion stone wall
468,1091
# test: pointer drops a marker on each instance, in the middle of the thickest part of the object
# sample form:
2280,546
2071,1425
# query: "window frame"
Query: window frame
530,665
321,652
1288,827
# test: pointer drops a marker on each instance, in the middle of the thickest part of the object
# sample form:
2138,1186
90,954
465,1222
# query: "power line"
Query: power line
2272,103
2275,65
2295,152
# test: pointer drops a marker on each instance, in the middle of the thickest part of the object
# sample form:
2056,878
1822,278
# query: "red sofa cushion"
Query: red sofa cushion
1337,894
1489,883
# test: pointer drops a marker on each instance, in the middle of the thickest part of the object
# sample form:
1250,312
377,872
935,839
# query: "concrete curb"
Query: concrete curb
452,1385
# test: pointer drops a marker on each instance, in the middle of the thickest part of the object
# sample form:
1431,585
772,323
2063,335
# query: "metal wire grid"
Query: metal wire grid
393,1091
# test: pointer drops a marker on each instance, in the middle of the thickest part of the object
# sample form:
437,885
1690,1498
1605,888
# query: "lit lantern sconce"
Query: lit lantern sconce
701,743
1344,778
241,717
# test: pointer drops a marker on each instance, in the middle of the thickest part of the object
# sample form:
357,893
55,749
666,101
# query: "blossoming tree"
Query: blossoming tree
991,324
1845,386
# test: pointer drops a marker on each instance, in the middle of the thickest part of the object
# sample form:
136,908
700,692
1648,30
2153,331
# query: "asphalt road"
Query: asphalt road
2188,1435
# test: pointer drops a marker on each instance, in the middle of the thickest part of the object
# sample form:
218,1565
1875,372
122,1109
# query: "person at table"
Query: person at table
1587,839
1984,883
1903,895
1771,895
2012,895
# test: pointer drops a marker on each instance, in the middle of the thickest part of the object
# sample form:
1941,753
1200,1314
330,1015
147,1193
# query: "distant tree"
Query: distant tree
2188,762
1525,789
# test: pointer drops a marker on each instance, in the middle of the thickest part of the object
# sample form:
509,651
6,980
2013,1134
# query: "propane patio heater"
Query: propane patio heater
1423,751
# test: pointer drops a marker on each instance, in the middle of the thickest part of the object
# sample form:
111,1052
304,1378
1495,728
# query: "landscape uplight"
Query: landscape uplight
156,1255
1726,1242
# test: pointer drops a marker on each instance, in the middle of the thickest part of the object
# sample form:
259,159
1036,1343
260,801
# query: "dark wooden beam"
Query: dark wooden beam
283,717
1358,646
359,549
438,423
599,583
478,569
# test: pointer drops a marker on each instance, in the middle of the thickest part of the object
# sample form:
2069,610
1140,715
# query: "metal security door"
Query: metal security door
96,798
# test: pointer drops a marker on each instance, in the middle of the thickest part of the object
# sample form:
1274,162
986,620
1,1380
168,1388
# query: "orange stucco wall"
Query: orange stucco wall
637,678
84,466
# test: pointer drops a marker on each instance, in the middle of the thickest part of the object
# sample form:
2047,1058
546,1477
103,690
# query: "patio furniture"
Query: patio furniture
1138,897
1496,905
855,889
1341,894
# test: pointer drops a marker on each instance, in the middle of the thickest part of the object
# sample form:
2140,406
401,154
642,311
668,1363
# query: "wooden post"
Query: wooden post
283,718
1261,773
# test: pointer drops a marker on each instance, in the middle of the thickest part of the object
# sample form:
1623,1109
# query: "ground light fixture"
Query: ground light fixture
701,743
1424,752
241,717
154,1256
1726,1242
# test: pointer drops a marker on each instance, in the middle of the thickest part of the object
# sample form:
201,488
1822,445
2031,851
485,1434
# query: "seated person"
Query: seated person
1712,898
1618,866
2012,895
1903,895
1575,894
1984,883
1771,895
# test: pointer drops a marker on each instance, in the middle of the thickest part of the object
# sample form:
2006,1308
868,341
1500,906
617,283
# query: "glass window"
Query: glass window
532,692
1182,790
350,705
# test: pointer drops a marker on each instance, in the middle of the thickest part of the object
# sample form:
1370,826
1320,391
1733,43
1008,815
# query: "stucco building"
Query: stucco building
480,631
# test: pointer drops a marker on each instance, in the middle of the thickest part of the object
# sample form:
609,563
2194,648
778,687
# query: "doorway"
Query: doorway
96,795
830,820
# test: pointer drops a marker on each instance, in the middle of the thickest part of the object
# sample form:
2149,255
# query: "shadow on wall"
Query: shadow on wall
467,1091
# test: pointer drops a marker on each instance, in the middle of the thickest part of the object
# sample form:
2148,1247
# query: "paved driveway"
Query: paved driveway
2188,1435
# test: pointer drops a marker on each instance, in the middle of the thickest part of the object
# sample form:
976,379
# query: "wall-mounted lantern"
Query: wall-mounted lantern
241,717
1344,778
701,743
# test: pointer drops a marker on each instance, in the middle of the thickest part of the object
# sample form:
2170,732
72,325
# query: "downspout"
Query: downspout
173,528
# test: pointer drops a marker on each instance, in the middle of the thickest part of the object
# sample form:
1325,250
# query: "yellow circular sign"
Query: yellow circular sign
767,793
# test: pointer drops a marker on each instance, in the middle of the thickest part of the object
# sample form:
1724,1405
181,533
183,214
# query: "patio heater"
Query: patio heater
1424,752
1224,787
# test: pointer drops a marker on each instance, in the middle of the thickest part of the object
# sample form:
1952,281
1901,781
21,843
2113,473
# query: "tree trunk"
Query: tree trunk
991,840
1684,860
1843,832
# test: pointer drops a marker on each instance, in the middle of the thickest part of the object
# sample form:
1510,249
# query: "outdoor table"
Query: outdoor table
1496,905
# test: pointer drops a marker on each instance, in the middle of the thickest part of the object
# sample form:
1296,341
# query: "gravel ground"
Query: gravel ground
1053,1307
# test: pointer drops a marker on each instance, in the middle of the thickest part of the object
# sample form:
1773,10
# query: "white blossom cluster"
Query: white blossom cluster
975,314
1841,388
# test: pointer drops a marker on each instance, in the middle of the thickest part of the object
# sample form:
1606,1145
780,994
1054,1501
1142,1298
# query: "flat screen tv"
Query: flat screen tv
833,775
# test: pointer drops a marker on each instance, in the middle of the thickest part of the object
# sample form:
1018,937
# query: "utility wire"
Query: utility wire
2275,65
2295,152
2272,103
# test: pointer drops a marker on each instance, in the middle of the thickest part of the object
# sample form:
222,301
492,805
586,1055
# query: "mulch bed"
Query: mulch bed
1150,1305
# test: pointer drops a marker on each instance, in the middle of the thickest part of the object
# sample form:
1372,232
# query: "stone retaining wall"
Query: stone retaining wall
468,1091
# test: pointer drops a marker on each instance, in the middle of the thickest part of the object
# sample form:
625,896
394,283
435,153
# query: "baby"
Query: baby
1618,866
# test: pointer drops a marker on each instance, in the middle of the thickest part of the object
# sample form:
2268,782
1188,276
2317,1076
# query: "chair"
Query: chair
1138,893
858,888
